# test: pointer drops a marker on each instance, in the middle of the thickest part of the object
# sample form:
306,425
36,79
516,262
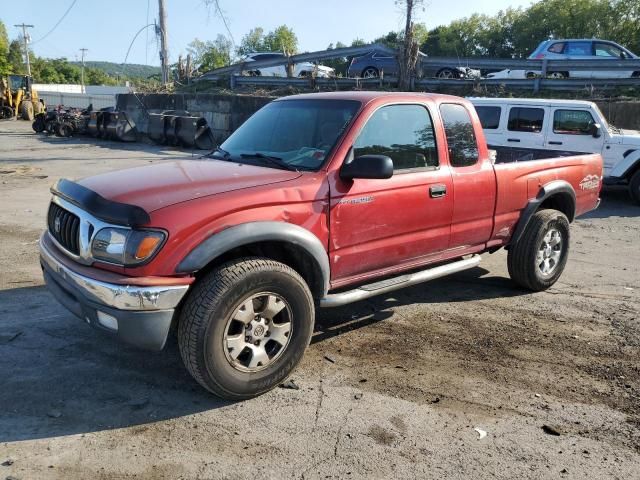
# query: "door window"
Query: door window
608,50
572,122
578,49
556,47
461,139
523,119
402,132
489,117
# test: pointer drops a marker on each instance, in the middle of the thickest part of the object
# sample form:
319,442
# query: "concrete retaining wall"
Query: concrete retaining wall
224,113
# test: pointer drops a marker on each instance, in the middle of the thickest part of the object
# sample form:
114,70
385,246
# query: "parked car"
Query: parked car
303,69
582,49
318,199
560,125
373,63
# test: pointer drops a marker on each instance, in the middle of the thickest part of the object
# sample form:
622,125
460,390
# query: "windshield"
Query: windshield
299,134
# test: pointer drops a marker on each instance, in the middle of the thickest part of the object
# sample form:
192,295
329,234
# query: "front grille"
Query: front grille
65,228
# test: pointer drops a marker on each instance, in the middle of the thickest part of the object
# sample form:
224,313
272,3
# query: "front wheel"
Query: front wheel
245,327
448,73
538,258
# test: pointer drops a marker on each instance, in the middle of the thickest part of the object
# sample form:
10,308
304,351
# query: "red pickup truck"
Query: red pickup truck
316,200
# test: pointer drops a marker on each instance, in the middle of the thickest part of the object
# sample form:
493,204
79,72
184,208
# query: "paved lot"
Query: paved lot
410,375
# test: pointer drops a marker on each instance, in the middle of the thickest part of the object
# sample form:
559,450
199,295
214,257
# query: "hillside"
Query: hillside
131,70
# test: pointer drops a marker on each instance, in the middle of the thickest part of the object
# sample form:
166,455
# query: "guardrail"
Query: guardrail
539,68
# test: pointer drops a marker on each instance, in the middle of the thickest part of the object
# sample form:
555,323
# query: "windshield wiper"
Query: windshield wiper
212,154
277,161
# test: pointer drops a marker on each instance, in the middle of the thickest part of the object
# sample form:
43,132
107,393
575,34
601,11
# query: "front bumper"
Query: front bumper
138,315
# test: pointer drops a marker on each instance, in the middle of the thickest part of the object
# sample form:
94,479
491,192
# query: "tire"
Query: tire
370,72
447,73
558,75
535,251
51,127
37,108
64,129
26,110
209,328
634,187
39,125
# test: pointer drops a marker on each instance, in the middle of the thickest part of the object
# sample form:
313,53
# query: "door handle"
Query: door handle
554,143
436,191
513,139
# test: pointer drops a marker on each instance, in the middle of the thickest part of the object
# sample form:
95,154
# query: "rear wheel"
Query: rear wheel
634,187
538,258
558,75
447,73
64,129
26,110
245,327
370,72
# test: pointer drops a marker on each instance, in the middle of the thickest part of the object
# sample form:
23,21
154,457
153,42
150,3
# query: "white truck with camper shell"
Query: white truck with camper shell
524,126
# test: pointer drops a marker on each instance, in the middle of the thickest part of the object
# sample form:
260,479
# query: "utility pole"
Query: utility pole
83,50
164,49
25,39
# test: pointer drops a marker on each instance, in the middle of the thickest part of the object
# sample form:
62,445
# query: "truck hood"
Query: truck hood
631,137
156,186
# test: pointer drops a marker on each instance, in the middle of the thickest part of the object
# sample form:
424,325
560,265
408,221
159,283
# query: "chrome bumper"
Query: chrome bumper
122,297
138,315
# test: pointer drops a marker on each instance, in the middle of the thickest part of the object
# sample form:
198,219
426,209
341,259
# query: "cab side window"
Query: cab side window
402,132
572,122
461,139
556,47
489,117
522,119
578,48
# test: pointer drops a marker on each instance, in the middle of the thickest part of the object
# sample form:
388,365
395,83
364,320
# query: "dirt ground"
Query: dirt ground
392,387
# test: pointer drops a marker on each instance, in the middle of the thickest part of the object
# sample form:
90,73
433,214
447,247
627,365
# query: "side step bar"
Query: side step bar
391,284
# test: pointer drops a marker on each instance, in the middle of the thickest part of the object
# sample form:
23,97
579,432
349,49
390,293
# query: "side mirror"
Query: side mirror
595,130
367,166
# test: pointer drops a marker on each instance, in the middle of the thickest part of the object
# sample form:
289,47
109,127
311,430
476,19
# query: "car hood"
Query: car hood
631,137
156,186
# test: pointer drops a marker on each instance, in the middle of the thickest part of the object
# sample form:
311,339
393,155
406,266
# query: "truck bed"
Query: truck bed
521,154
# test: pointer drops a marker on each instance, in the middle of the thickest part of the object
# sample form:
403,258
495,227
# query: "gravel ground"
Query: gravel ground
393,387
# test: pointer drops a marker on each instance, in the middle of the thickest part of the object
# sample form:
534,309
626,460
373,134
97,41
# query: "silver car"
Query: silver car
575,49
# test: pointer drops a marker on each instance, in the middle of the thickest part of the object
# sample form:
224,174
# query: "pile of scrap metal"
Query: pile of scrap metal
105,123
180,128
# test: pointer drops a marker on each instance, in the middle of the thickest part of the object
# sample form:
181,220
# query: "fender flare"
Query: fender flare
255,232
552,188
627,165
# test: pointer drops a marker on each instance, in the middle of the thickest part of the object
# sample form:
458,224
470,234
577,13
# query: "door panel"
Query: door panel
377,224
525,127
568,130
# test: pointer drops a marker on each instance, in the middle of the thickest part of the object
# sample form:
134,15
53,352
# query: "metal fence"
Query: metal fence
78,100
538,69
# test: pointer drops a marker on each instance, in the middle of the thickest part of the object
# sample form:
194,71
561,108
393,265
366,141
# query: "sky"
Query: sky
107,28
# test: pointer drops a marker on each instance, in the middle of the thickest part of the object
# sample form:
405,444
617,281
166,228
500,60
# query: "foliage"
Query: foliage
5,67
517,32
282,39
211,54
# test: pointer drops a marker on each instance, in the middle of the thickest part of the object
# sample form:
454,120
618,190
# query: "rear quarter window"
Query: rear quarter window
524,119
489,117
461,139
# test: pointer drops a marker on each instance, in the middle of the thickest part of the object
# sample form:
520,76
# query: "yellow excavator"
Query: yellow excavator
18,98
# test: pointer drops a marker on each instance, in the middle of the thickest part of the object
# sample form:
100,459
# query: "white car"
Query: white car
575,49
303,69
522,126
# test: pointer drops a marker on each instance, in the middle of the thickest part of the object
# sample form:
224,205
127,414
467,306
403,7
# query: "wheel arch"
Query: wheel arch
284,242
557,195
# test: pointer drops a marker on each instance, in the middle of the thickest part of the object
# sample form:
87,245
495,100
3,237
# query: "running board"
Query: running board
396,283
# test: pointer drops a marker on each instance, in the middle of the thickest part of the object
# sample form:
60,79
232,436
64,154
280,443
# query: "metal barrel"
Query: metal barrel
170,123
155,129
203,138
125,130
186,128
92,126
111,124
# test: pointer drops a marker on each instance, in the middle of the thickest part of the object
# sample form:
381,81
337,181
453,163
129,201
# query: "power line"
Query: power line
25,38
57,23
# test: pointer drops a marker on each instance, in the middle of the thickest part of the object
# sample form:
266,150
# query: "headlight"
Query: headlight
126,247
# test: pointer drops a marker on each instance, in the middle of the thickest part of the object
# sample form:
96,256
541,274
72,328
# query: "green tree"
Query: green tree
252,41
5,66
15,57
212,54
282,39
